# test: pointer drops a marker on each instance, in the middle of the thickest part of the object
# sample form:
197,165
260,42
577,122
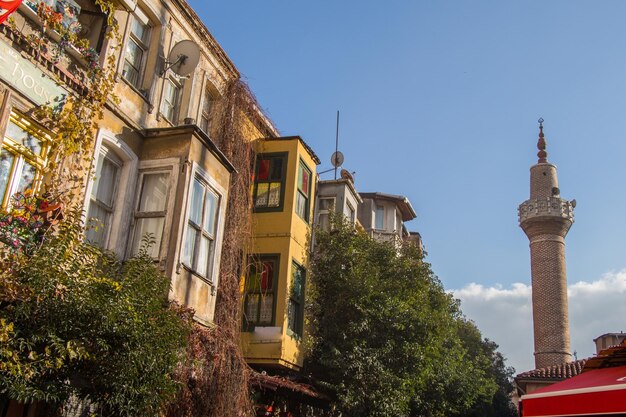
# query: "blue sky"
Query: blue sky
439,101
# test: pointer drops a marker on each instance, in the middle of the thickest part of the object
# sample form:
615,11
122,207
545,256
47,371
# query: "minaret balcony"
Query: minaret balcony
554,207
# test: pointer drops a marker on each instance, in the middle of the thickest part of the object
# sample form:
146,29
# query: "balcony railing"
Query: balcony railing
546,207
384,236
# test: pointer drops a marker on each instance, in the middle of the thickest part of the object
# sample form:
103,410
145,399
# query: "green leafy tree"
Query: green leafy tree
77,324
492,362
383,332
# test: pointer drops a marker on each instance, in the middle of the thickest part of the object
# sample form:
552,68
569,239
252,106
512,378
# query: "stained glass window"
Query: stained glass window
260,291
269,181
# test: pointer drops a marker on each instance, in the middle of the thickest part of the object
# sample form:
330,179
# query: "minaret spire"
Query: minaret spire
541,145
546,218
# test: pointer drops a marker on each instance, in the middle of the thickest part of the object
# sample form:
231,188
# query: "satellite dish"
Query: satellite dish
183,58
336,159
346,175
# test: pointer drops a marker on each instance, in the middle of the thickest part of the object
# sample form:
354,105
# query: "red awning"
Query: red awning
596,392
7,7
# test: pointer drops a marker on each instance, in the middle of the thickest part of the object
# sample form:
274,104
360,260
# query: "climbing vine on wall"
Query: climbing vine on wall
215,377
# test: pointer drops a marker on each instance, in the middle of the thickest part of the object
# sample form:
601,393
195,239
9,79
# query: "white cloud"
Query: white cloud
504,315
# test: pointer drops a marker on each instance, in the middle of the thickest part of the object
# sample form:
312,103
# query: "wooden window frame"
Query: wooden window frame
298,331
152,214
283,181
141,44
175,105
248,325
307,206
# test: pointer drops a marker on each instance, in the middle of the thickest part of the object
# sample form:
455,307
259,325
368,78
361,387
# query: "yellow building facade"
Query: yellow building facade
275,282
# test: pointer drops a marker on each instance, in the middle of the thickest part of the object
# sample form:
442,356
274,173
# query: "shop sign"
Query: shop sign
24,76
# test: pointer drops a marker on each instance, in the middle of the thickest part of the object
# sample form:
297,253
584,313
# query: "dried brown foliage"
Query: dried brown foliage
215,378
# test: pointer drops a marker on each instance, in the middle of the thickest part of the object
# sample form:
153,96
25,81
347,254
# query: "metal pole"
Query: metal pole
336,145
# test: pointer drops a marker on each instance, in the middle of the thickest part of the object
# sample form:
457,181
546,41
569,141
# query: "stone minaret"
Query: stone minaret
546,218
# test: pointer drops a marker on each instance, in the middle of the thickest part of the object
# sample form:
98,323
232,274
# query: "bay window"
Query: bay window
200,238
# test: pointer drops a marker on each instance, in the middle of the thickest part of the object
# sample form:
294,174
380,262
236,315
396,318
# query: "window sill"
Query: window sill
142,94
203,278
161,116
267,209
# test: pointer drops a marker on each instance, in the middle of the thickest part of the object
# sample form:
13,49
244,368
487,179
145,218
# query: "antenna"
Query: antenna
183,58
337,153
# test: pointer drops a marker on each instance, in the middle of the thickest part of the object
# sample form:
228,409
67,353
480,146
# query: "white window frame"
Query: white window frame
327,211
123,205
376,217
197,171
177,100
171,166
351,215
107,154
207,95
139,15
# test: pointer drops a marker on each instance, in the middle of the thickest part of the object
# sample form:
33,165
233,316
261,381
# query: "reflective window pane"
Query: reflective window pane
140,30
277,169
24,138
202,263
266,308
189,246
263,169
262,195
274,195
6,165
134,54
154,192
195,209
152,226
26,177
99,222
252,307
210,212
105,182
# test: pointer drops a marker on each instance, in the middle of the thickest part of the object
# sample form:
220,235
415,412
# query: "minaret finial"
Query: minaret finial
541,144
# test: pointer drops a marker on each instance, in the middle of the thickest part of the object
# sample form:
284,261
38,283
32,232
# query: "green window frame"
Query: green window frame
303,195
269,182
260,297
295,308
